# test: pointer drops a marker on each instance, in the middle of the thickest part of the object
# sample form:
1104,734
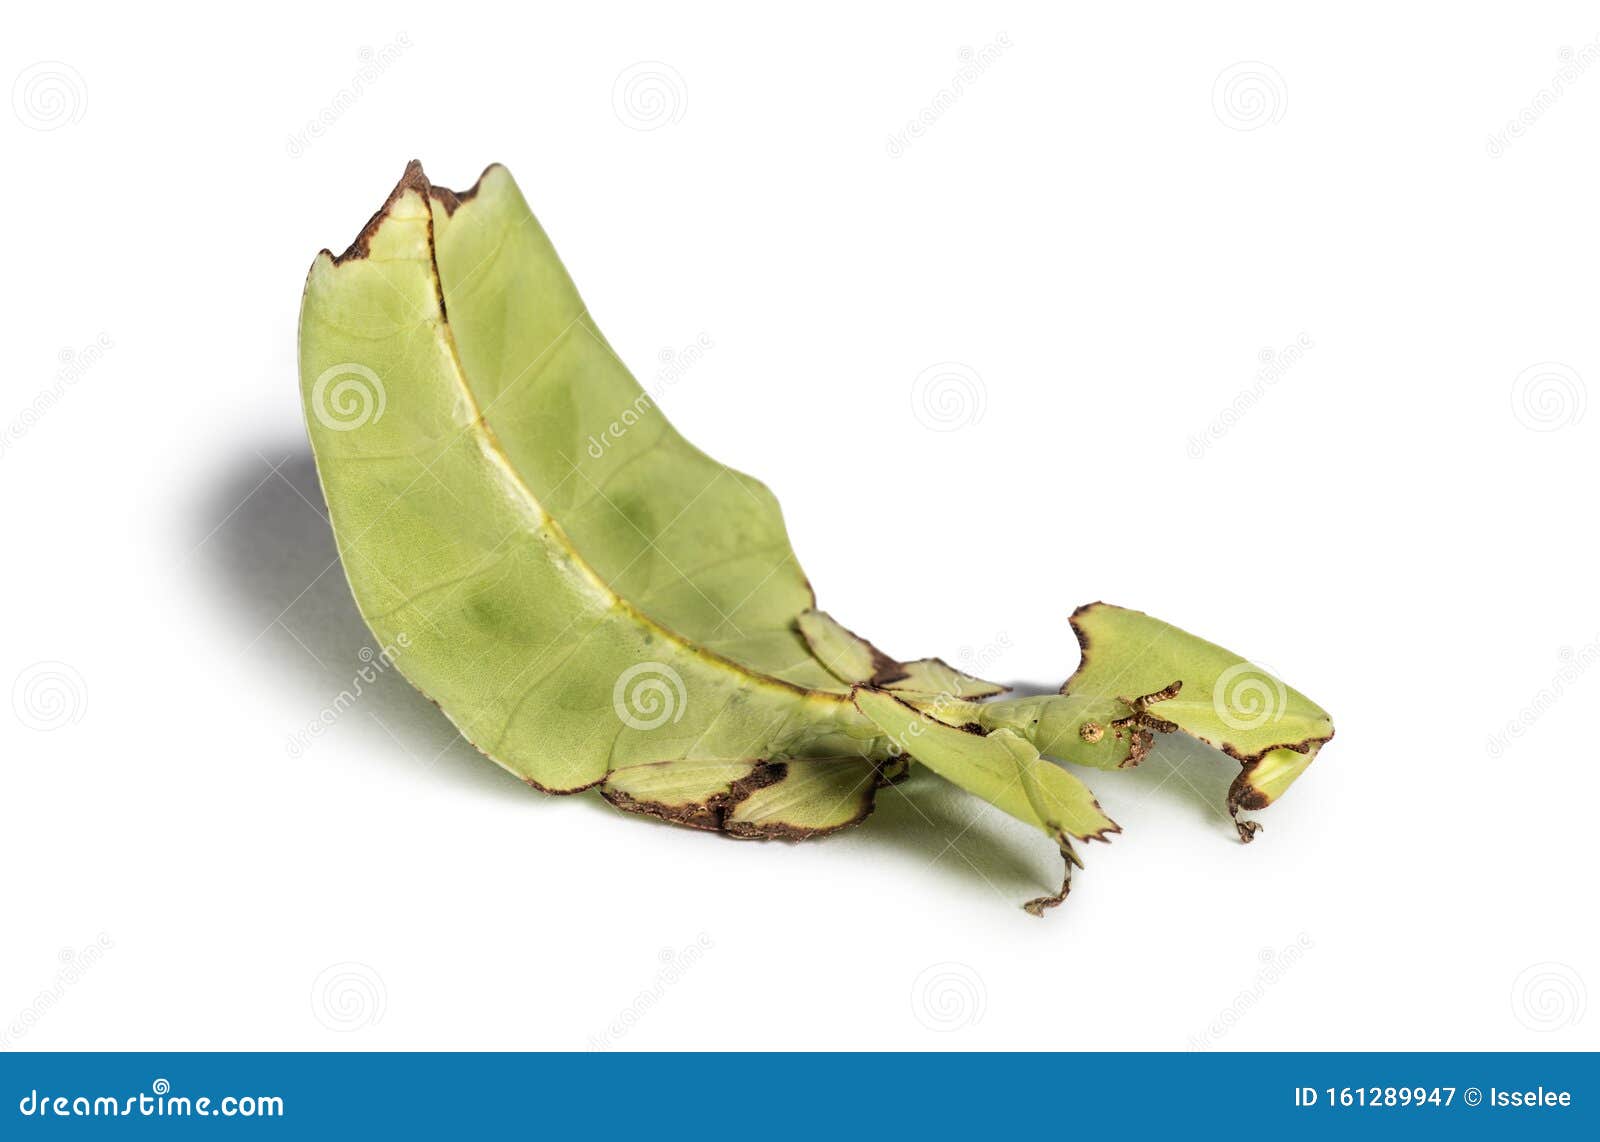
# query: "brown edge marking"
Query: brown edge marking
1243,795
710,814
1304,746
713,814
884,669
451,200
1070,858
970,727
745,831
1103,835
1083,642
536,785
894,771
413,179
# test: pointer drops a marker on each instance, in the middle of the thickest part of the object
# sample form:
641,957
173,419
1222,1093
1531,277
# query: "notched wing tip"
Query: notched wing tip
778,831
412,179
1104,835
452,200
415,179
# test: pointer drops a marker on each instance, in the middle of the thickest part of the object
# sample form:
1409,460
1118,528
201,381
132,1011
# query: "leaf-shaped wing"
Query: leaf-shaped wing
699,547
553,655
816,796
693,793
792,800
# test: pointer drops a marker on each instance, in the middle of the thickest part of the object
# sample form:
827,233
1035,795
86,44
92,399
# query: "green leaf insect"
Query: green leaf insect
597,604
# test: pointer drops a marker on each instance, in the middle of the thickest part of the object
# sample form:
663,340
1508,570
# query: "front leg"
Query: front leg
1178,684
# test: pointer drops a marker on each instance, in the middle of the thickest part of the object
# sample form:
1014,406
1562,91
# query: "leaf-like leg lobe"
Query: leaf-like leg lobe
790,799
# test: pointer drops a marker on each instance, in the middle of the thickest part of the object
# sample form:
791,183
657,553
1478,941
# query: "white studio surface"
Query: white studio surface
1264,324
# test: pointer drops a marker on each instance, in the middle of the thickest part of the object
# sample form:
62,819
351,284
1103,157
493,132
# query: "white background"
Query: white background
1111,245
